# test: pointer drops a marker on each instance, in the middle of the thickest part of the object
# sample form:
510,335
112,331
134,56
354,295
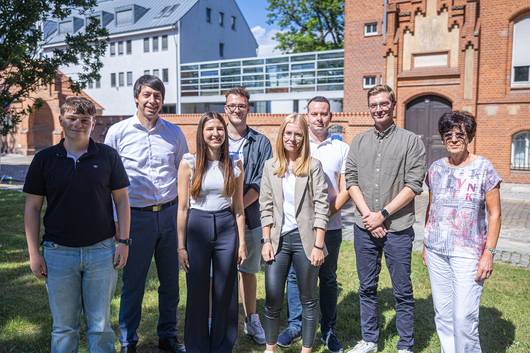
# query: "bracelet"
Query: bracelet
318,247
181,249
266,240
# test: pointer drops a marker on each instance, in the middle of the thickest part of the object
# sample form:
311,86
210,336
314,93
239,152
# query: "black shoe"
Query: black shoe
171,344
131,348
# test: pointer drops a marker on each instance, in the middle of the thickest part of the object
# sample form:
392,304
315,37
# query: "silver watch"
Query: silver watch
493,251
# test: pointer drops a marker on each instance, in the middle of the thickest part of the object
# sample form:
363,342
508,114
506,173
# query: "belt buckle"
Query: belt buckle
157,208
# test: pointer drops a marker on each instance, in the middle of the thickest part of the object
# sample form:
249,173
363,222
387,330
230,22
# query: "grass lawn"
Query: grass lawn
25,318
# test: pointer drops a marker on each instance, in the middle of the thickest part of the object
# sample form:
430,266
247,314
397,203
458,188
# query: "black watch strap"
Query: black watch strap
263,240
385,213
127,241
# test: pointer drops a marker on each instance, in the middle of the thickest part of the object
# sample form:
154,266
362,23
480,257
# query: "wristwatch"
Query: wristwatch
493,251
385,213
263,240
127,241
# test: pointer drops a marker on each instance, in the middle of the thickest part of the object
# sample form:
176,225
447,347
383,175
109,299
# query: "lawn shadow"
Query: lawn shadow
496,334
348,320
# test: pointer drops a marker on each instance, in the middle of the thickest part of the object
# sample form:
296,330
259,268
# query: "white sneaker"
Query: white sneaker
404,351
252,327
364,347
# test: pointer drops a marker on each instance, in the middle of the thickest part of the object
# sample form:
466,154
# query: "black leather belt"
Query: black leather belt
155,208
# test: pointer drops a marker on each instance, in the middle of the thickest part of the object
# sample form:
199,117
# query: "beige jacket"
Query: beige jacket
311,204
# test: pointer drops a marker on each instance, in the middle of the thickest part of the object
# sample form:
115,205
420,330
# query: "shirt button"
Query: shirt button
377,170
376,185
376,200
379,155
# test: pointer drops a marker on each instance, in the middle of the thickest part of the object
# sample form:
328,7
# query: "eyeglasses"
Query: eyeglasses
232,107
382,105
460,136
287,135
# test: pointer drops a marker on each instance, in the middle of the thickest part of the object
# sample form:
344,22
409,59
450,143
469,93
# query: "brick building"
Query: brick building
447,54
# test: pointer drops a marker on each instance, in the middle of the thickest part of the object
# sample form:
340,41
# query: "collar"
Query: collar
137,123
388,131
251,134
91,150
326,141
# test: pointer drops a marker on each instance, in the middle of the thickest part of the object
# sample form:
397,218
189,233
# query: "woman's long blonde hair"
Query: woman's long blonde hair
303,162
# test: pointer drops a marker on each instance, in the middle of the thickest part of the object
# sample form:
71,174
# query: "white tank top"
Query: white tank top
211,197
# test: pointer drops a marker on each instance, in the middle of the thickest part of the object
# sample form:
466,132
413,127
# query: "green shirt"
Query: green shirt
381,164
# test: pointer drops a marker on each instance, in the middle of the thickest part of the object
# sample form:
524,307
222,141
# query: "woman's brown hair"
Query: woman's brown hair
201,161
303,162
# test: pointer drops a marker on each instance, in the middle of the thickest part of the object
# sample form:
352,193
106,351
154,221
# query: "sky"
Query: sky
255,12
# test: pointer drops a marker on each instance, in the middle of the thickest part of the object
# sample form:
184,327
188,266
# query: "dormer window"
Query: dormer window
129,14
66,27
124,17
70,25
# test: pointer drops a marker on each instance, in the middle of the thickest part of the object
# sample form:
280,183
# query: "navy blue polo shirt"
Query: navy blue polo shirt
78,193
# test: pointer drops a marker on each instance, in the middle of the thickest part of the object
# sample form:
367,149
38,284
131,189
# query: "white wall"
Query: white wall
120,100
200,39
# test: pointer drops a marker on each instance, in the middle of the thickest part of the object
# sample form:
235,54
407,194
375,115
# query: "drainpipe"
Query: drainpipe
385,19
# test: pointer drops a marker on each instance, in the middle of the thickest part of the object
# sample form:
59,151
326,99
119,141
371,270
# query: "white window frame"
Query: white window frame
526,152
369,85
521,29
368,26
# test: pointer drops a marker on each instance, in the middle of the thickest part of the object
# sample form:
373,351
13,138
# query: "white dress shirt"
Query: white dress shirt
150,157
332,154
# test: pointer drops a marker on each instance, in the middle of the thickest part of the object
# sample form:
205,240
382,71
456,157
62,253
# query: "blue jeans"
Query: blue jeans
81,279
328,288
152,233
397,247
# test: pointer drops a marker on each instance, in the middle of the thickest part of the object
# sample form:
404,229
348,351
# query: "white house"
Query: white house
155,37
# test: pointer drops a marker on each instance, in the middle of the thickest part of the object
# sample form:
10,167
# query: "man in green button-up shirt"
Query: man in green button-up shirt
384,172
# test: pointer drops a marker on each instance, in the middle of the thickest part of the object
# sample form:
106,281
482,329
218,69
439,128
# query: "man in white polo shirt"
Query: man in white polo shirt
332,153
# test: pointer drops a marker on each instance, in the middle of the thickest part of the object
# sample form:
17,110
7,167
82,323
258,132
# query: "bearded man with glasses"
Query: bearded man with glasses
384,172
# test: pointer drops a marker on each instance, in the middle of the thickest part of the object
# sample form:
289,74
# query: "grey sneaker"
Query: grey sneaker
404,351
252,327
364,347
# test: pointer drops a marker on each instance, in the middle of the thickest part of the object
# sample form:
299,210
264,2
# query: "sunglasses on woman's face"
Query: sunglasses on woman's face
459,136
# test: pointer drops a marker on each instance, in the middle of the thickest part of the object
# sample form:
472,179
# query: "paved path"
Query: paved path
514,242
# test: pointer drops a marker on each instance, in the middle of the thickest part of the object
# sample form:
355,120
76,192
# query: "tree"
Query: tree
307,25
23,65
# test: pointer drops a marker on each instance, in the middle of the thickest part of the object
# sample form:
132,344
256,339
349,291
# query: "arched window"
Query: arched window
521,52
521,151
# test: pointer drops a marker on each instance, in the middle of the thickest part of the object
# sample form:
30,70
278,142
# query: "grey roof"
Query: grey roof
148,14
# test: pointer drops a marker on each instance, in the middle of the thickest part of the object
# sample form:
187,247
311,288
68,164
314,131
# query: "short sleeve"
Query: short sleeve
491,178
35,182
118,178
345,150
189,159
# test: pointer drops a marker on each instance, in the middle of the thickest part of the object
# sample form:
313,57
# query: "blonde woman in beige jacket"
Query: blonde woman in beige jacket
294,215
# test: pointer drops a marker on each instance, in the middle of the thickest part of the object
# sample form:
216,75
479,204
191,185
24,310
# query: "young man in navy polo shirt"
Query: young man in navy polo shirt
79,179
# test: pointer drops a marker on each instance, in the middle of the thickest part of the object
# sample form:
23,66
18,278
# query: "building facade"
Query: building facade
155,37
442,55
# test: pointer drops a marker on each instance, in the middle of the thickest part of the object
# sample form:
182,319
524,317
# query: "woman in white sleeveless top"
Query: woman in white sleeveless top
211,225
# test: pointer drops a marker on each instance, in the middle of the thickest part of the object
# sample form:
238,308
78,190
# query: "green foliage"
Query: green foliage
307,25
24,67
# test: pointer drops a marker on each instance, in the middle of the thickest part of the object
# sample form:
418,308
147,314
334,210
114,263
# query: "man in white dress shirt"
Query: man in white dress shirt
151,149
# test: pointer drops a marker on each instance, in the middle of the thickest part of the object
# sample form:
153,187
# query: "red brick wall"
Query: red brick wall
363,56
501,110
268,124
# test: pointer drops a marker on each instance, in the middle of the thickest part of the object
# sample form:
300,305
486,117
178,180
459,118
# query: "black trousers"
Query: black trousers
211,238
290,252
